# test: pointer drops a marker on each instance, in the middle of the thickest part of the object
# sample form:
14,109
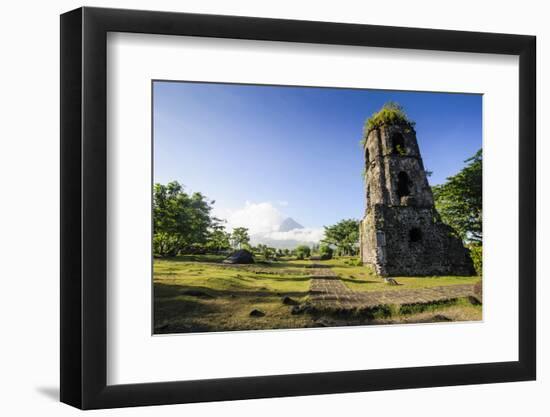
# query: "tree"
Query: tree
240,237
325,251
181,222
459,200
344,235
267,252
302,252
165,244
218,239
315,248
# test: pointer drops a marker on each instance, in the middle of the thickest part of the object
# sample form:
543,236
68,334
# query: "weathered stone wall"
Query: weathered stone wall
401,232
412,241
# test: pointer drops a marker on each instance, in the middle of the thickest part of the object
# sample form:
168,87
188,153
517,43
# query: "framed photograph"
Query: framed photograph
256,208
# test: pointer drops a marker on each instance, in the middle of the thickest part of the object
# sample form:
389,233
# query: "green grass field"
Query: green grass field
362,278
197,293
209,296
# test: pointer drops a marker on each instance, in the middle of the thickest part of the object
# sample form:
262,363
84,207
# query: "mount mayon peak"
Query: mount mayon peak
289,234
289,224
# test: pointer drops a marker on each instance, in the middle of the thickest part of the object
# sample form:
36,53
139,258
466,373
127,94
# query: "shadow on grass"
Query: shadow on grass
360,281
293,279
174,306
316,265
167,292
189,309
196,258
286,264
175,314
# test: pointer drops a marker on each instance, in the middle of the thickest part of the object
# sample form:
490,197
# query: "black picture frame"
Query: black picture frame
84,207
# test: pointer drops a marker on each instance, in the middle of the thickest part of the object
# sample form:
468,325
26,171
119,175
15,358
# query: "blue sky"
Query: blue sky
295,150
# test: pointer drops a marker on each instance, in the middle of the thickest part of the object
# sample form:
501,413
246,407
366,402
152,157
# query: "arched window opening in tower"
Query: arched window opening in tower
398,144
367,158
403,183
415,235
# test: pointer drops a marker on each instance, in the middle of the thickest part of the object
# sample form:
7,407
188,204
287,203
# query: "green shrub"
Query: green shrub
302,252
326,252
165,245
476,253
391,113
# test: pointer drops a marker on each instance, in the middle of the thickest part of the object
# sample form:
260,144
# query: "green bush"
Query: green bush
326,252
476,253
165,245
391,113
302,252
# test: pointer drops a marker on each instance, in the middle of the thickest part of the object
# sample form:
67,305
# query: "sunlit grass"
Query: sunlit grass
205,296
362,278
196,293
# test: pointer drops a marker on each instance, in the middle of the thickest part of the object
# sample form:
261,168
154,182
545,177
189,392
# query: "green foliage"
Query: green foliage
476,253
344,235
302,252
165,244
353,262
325,251
218,239
181,221
459,200
391,113
267,252
240,237
400,150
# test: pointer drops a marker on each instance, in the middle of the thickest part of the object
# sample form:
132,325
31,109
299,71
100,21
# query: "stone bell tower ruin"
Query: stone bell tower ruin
401,232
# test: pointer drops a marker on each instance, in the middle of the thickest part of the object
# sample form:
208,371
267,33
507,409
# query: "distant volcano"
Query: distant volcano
289,235
289,224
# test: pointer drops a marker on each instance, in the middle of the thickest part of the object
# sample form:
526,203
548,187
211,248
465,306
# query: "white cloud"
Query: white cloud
282,203
263,220
256,217
312,235
290,239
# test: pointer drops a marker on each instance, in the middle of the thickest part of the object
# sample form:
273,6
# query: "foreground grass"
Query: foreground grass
455,310
205,296
197,293
362,278
460,309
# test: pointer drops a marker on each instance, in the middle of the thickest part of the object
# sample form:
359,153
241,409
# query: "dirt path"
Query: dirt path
328,291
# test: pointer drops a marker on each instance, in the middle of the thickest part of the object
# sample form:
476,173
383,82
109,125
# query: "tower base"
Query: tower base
411,241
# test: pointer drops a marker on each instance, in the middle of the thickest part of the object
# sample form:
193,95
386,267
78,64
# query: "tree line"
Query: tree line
183,223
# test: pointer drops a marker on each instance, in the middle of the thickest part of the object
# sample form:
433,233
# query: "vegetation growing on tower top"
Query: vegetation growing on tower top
390,113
